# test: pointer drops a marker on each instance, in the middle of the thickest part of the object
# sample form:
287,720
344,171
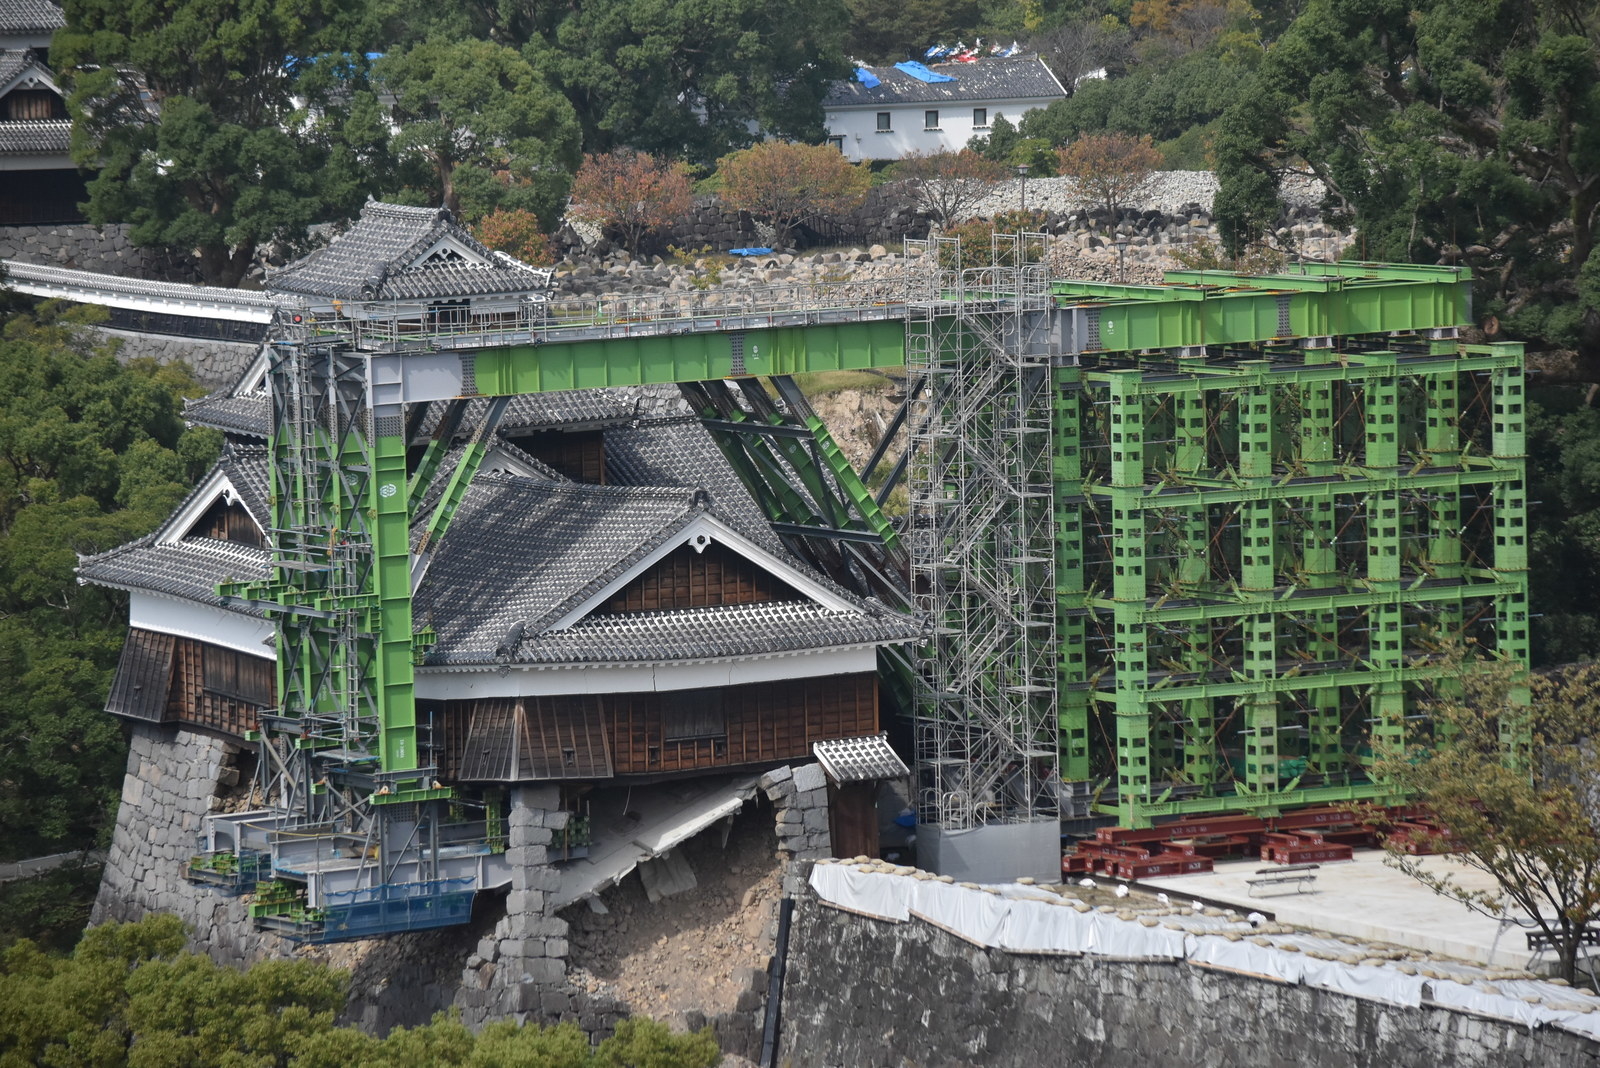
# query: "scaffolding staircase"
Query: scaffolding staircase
981,531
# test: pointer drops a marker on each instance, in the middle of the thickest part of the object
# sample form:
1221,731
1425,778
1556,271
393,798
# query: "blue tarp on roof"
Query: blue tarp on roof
867,78
921,73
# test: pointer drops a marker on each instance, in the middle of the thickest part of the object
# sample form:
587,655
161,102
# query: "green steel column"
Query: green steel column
1509,444
1072,696
1383,550
1442,444
1319,561
1258,574
1128,592
391,550
1200,761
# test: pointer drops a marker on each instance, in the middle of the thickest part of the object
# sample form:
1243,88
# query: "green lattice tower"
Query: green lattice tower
1282,532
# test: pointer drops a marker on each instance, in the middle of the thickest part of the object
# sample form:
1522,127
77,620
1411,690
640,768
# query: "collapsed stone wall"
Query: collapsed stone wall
511,962
519,971
864,992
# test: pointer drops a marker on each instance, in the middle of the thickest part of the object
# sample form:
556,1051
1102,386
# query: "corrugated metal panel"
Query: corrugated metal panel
144,677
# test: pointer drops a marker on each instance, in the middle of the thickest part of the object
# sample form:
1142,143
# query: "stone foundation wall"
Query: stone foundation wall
864,992
174,778
90,248
215,364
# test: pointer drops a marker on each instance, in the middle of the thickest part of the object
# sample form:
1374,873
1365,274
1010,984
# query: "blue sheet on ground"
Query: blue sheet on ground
921,73
749,251
867,78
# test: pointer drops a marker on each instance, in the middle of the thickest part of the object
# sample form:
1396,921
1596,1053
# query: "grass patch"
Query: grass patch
821,383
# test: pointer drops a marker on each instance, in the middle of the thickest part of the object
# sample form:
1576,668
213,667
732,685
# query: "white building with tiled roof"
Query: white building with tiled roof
903,113
40,184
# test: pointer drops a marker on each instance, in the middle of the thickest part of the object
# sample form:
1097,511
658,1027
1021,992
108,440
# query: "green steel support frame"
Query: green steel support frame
1275,541
1261,501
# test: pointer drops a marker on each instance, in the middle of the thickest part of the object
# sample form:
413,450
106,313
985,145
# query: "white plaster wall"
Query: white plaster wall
862,139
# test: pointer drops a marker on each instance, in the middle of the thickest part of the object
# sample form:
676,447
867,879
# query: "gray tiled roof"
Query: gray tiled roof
17,16
373,261
524,551
706,633
570,409
13,61
189,569
249,415
680,452
37,138
246,468
1022,78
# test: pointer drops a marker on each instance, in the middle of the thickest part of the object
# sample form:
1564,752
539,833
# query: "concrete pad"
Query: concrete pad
1367,899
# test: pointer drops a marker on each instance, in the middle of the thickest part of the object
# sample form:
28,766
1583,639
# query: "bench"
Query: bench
1299,876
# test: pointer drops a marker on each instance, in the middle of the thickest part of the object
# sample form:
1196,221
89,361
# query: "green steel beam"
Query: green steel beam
690,357
1148,811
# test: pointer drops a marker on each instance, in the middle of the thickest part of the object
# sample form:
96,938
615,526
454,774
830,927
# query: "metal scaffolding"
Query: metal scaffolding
978,338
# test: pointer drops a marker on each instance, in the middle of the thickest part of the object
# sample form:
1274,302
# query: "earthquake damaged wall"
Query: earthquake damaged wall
516,969
174,778
864,992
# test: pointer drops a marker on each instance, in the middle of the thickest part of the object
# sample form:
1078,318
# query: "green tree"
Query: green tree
202,139
887,31
128,995
691,79
1462,131
632,194
788,184
1512,779
486,128
92,454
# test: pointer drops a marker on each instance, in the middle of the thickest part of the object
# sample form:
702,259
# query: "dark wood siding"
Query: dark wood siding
229,522
143,680
578,454
32,105
761,722
219,688
765,721
688,579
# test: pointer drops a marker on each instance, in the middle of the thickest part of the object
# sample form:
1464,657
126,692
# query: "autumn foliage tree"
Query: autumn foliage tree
630,194
947,185
1109,169
1510,770
515,232
789,184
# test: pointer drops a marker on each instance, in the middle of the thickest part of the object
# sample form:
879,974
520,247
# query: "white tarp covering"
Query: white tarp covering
1368,981
1115,937
1509,1000
1039,927
1028,919
976,915
1214,951
873,894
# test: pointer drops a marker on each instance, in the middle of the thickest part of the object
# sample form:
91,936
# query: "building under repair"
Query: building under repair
1169,551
